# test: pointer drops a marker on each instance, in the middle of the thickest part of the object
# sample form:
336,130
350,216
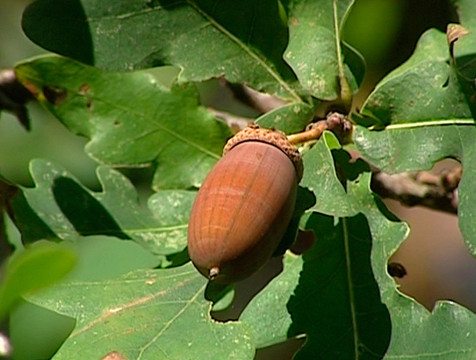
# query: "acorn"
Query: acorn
244,206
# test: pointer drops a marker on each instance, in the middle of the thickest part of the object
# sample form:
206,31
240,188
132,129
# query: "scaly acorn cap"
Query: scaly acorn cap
273,137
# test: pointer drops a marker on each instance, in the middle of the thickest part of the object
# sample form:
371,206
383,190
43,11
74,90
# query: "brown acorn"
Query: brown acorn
244,206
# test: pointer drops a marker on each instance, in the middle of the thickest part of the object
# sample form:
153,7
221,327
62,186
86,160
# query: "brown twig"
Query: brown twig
438,192
13,97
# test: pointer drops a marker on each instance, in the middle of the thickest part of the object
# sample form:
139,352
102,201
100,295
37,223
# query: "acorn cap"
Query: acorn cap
273,137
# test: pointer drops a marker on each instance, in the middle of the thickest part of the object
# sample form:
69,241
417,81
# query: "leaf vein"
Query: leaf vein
246,49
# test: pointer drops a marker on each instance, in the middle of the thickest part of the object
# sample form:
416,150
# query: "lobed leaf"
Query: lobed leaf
241,40
130,118
60,206
344,277
424,91
425,117
315,51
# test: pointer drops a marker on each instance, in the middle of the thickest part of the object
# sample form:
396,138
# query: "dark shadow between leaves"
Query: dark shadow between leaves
85,213
31,226
347,168
282,351
245,290
61,27
178,259
305,199
337,301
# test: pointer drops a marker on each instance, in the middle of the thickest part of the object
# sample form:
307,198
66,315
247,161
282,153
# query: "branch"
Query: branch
261,102
424,188
14,96
335,122
236,123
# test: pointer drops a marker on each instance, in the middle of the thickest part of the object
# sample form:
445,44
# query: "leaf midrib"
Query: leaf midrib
350,285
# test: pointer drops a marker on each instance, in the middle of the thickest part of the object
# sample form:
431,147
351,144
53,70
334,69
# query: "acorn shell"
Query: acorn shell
243,208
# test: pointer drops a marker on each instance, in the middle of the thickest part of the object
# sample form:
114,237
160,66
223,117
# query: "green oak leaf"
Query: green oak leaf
60,207
267,314
344,277
130,119
424,91
290,118
416,332
464,49
241,40
334,279
418,115
324,175
421,116
315,51
145,314
420,148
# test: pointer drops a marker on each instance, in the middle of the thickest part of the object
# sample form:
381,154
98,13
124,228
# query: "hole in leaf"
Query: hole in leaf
396,270
84,89
86,213
447,82
54,94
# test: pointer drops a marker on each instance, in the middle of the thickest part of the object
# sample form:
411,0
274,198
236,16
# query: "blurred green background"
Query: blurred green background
384,31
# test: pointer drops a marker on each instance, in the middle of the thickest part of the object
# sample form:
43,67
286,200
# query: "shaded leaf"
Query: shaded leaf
242,40
381,322
337,289
146,314
130,119
62,207
464,50
34,268
336,281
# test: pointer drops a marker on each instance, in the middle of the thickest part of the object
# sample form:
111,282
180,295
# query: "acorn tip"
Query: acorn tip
213,273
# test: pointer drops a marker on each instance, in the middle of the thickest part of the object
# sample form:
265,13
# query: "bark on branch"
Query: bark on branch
438,192
261,102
